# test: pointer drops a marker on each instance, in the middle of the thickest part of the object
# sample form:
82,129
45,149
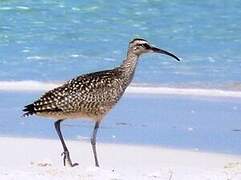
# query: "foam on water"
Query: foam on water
132,89
23,7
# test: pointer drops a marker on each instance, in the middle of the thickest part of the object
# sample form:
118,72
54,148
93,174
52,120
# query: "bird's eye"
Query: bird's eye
146,46
141,45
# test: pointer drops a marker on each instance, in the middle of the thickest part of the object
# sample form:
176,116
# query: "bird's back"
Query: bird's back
90,96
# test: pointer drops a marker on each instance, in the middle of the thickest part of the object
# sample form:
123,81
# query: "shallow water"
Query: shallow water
56,40
201,124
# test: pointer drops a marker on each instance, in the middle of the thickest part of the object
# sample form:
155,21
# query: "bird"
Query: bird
91,96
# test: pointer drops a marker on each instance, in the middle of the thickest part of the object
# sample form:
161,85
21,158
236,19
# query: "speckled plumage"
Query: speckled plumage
91,95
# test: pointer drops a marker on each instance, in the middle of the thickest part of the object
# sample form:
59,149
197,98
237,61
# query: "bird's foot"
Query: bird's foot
97,164
67,158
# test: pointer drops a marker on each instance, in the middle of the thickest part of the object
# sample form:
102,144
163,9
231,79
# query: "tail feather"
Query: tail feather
29,110
32,109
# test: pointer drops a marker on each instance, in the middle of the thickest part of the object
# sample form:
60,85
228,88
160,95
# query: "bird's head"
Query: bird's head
141,46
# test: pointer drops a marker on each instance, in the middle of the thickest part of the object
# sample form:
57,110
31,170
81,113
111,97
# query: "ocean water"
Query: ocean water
57,40
193,104
184,122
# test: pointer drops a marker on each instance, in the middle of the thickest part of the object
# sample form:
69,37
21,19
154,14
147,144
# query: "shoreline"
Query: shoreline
135,89
206,124
86,140
31,158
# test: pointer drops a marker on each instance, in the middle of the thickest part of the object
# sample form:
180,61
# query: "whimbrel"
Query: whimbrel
90,96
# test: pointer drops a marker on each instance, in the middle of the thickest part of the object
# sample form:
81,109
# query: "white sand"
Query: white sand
39,159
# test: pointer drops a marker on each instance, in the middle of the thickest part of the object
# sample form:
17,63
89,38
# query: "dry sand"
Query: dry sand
39,159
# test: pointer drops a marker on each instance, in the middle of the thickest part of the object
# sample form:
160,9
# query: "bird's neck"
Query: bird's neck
128,67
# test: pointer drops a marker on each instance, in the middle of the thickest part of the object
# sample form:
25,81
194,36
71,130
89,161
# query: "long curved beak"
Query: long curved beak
157,50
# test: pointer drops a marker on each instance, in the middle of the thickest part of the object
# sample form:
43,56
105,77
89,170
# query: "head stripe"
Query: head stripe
139,39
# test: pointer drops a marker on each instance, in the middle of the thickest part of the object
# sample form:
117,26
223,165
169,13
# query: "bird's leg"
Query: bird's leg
93,143
66,151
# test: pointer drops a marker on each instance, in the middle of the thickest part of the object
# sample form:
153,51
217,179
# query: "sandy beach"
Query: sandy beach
39,159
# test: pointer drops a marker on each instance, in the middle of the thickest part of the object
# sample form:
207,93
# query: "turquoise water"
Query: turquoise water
56,40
